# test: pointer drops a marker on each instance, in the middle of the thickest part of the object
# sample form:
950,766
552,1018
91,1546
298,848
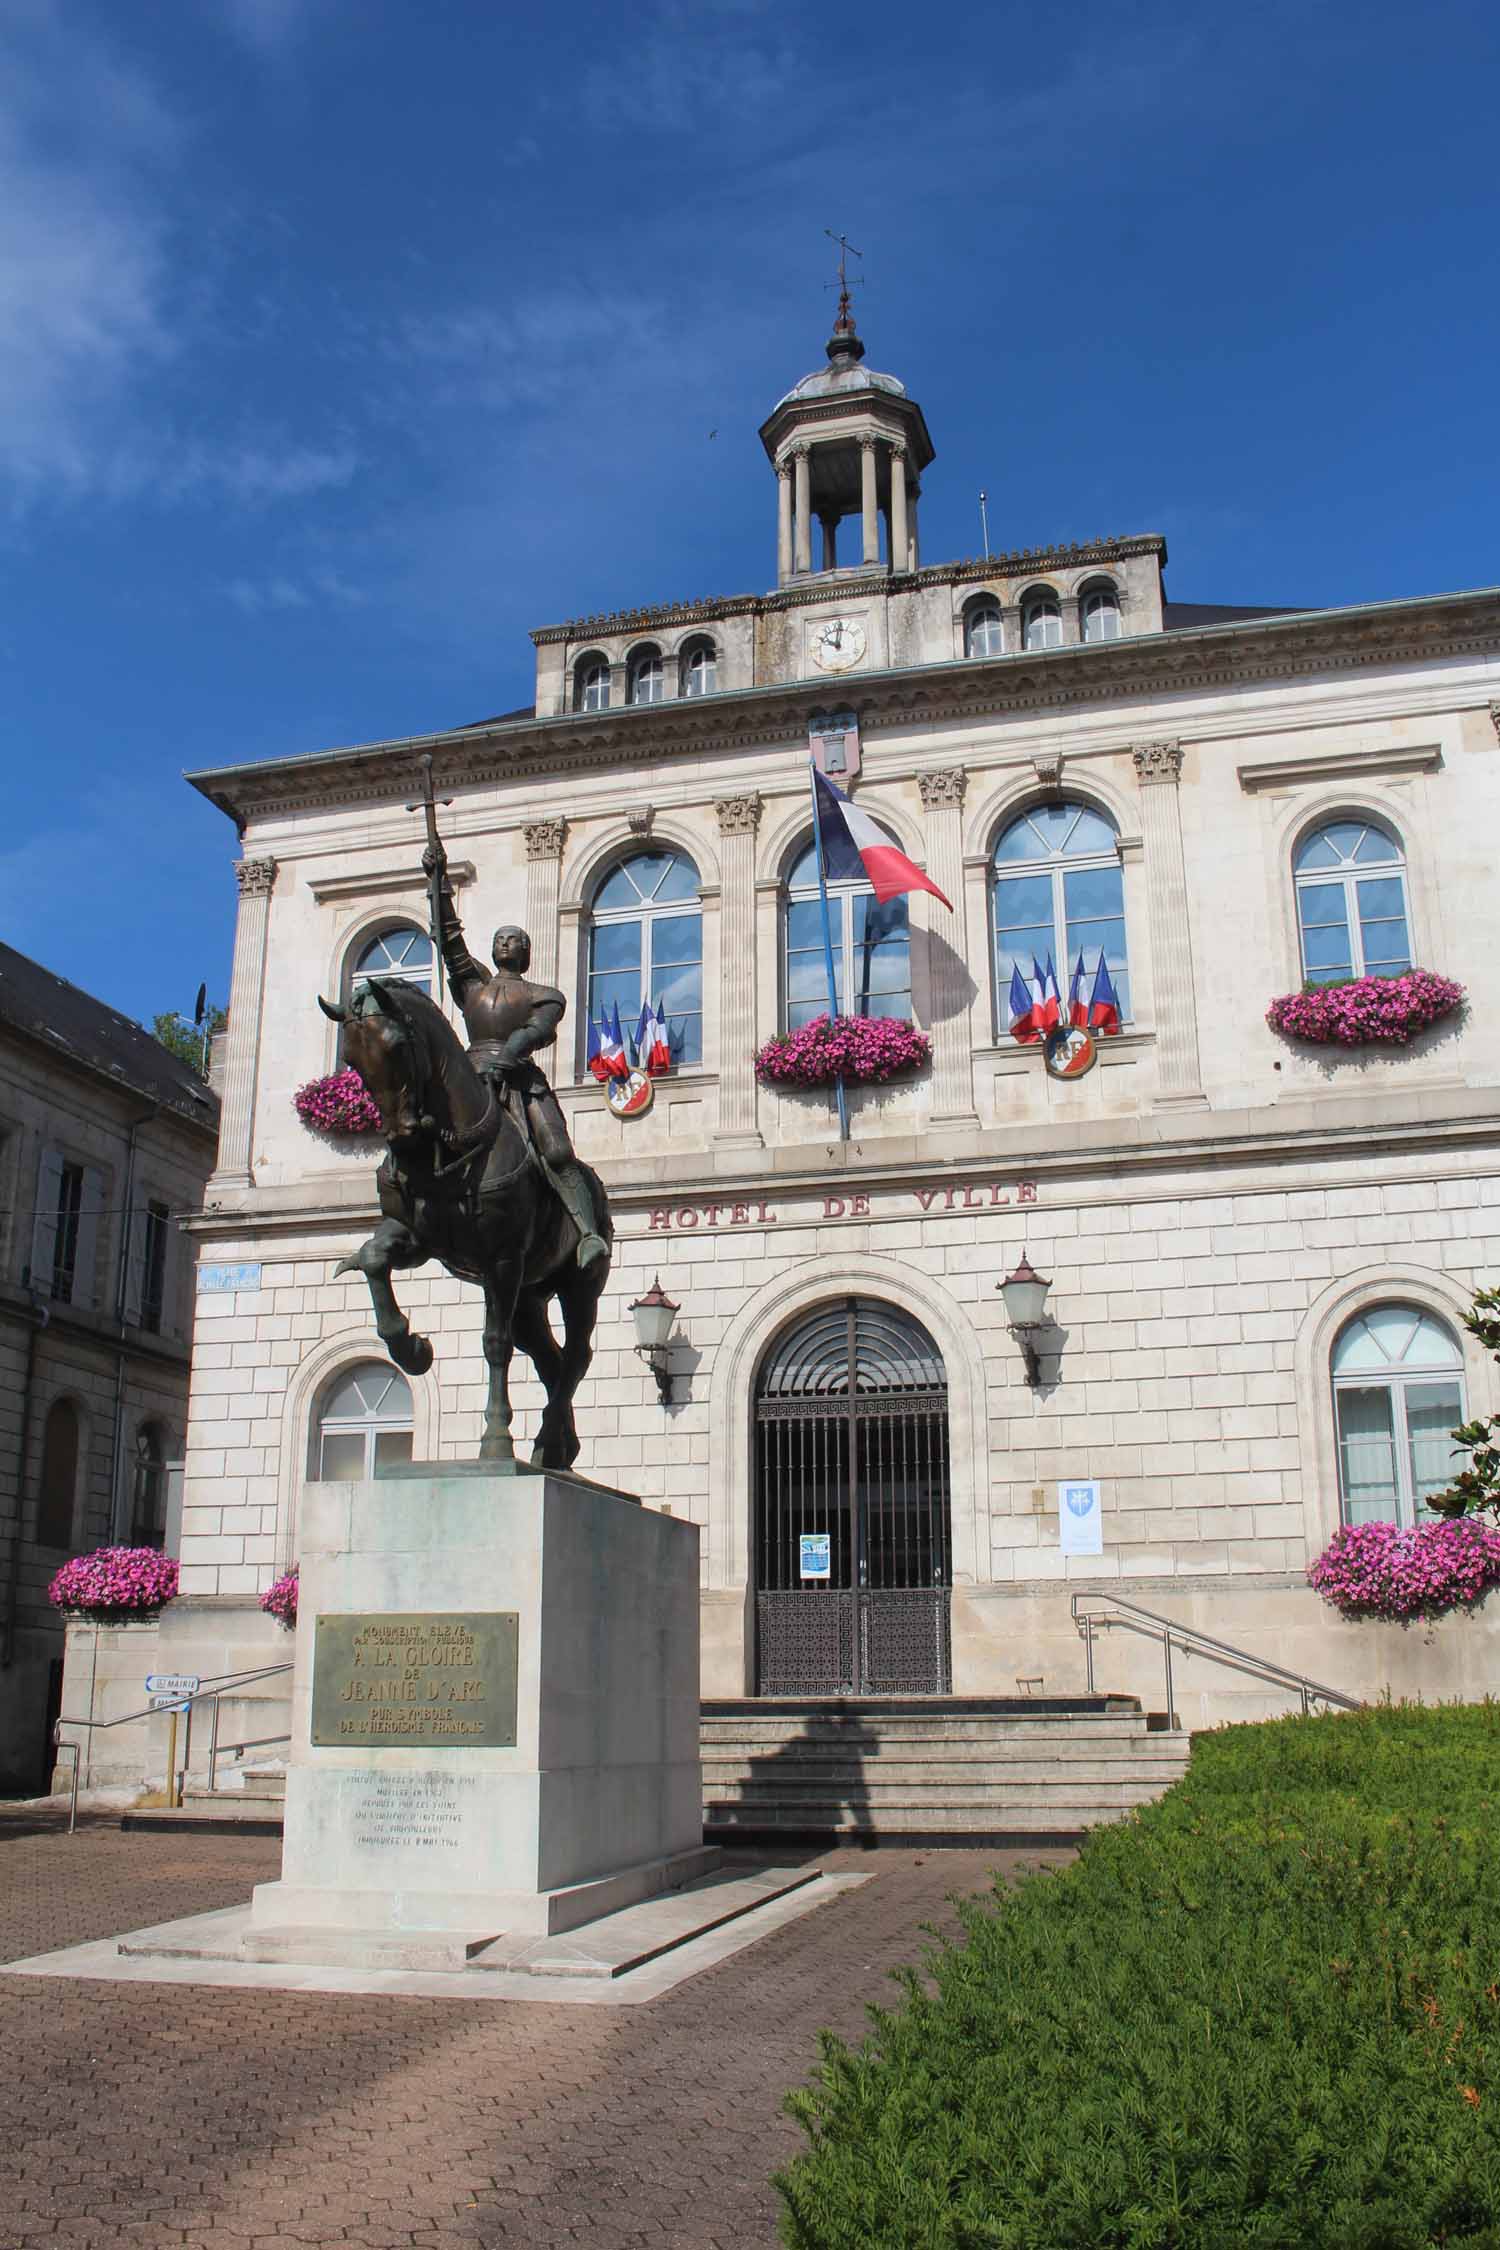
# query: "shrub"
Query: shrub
337,1105
862,1050
114,1583
1263,2011
280,1600
1361,1010
1376,1570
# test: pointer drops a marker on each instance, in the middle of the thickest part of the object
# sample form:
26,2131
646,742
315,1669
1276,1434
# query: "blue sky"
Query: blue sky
343,340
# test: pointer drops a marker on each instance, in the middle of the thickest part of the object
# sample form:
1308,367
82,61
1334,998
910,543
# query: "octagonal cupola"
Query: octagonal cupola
846,441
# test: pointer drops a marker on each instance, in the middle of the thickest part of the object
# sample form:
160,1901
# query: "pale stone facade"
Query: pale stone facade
1211,1203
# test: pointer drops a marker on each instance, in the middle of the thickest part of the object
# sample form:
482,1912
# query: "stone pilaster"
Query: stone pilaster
869,508
256,879
952,988
900,538
1158,768
544,849
783,522
802,513
739,818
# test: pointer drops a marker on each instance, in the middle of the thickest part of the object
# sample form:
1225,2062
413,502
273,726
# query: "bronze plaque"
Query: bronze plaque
434,1682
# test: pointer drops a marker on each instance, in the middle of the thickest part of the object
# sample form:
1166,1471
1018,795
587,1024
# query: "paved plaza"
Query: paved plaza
214,2119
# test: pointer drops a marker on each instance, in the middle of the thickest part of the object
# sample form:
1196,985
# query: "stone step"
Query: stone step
1029,1793
993,1824
894,1773
1128,1727
1082,1743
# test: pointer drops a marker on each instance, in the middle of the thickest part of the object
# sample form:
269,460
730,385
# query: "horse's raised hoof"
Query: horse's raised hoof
591,1248
412,1353
350,1264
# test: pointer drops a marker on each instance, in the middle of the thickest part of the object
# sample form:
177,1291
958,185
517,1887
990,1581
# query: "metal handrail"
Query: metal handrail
219,1683
1154,1626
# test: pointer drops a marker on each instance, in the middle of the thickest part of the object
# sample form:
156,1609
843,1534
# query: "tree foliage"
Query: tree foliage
1478,1486
184,1039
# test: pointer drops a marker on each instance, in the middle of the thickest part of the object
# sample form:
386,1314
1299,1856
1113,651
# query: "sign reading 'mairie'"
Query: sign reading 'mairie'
435,1682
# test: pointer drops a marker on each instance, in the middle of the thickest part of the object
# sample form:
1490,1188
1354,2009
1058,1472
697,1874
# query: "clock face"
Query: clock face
838,644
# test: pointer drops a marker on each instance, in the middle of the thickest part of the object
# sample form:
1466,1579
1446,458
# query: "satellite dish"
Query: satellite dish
200,1004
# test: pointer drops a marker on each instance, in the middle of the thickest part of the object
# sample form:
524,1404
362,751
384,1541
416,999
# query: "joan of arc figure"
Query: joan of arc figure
509,1019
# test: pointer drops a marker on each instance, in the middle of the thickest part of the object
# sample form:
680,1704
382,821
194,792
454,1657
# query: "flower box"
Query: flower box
337,1105
1377,1570
1364,1010
114,1585
280,1601
862,1050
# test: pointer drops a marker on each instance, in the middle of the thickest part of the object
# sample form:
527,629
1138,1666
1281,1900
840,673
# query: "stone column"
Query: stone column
916,537
256,878
899,544
783,521
952,986
803,512
739,818
1158,767
544,849
869,508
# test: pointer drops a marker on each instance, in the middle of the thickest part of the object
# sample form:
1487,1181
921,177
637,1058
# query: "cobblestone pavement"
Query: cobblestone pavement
218,2120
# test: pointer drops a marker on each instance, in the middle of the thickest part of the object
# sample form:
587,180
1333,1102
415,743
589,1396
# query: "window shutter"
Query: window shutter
90,1212
135,1266
44,1223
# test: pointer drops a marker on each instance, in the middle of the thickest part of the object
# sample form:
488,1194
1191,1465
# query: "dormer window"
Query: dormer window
700,668
983,633
591,684
1041,621
647,680
1100,612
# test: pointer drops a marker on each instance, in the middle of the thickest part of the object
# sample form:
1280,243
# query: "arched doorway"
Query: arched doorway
853,1532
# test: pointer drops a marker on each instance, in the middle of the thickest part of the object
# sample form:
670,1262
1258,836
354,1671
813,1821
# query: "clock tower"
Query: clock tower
845,442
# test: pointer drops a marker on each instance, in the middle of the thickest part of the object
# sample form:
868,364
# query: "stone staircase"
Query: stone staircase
1020,1770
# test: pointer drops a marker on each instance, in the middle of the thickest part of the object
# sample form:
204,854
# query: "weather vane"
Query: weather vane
846,250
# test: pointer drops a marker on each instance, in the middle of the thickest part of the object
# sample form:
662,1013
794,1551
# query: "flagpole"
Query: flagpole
833,990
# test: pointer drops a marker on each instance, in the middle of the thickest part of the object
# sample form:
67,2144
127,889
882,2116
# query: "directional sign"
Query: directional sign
174,1684
168,1702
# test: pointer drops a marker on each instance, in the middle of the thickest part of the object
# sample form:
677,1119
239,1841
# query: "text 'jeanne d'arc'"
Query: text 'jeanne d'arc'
962,1195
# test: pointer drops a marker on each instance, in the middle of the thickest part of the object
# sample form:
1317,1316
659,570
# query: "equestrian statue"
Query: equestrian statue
479,1171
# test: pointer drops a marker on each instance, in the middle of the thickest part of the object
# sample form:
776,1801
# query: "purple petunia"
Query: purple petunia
1364,1009
280,1601
114,1582
338,1104
862,1050
1377,1570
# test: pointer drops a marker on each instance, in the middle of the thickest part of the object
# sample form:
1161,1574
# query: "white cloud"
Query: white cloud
260,597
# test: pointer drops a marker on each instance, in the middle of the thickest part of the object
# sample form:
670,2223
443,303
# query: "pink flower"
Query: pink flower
338,1104
1377,1570
1365,1009
114,1582
862,1050
280,1601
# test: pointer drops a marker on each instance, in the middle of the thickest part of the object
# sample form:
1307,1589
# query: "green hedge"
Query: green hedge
1264,2011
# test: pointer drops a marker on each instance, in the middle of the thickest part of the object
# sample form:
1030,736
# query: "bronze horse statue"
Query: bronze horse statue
463,1183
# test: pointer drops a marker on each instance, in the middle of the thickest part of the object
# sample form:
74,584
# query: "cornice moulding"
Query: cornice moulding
383,882
1338,765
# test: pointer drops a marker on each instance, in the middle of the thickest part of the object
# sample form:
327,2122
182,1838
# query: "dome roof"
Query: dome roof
840,379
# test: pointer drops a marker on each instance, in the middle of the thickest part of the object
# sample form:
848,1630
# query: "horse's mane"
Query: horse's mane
443,1056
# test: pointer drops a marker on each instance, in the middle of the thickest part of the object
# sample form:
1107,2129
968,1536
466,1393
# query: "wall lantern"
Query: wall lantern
1025,1295
654,1315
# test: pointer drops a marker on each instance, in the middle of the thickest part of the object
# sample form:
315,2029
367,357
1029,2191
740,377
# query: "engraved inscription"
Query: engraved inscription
427,1682
412,1811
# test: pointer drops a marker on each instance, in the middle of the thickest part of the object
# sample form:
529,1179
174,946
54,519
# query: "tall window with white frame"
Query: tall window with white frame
1398,1394
1352,921
1099,613
646,942
984,634
647,680
402,953
700,668
871,948
64,1277
1041,620
156,1234
1058,889
363,1424
591,684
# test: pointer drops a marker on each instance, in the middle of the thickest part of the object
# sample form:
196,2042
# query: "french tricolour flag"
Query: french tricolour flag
606,1048
1048,999
1022,1008
853,846
1078,1007
595,1051
1104,1002
653,1044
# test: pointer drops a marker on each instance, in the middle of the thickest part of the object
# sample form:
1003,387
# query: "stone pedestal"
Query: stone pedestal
494,1716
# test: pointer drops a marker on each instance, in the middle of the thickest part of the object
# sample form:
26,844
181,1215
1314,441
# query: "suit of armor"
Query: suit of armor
508,1019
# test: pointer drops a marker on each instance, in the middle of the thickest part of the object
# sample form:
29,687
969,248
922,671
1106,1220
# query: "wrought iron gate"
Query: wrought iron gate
853,1533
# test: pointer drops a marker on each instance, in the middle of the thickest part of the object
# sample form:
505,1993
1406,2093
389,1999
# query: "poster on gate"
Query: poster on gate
1080,1518
815,1555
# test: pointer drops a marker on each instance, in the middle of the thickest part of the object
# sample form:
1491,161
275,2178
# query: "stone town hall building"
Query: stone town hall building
1259,1252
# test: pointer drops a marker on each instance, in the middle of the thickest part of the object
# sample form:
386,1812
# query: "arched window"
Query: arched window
1099,609
1351,902
403,954
700,668
983,633
647,682
1041,621
646,940
591,684
1058,889
871,948
148,1488
1398,1394
363,1424
59,1484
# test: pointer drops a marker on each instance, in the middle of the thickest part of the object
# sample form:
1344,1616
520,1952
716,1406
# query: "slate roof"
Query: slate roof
83,1030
